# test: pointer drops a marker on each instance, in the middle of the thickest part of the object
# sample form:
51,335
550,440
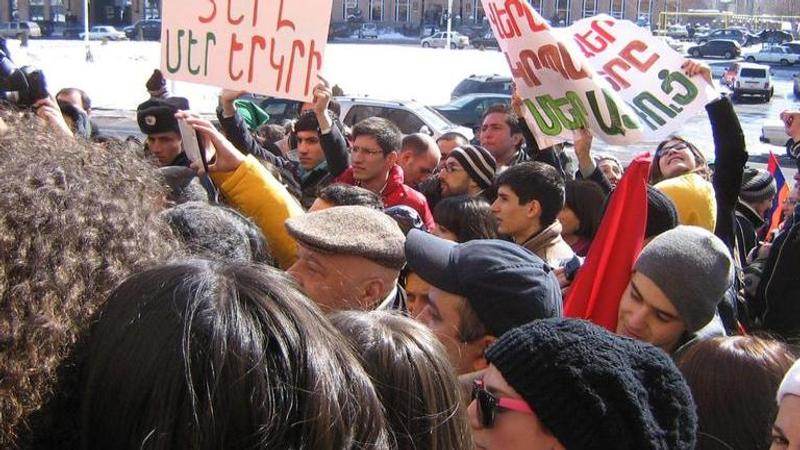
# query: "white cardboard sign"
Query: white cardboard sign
270,47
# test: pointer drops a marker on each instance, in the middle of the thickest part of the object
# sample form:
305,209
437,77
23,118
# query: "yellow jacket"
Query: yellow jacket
258,195
694,200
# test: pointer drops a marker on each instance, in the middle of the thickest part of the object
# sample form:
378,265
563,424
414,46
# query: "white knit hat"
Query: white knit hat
791,382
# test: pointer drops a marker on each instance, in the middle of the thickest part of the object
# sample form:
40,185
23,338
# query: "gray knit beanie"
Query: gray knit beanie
693,268
757,185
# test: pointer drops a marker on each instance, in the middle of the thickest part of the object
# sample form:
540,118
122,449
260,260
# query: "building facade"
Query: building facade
414,13
401,14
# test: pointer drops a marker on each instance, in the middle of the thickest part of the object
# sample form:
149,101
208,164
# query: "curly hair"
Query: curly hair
76,220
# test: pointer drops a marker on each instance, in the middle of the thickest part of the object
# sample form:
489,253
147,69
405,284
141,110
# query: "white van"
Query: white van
751,79
16,29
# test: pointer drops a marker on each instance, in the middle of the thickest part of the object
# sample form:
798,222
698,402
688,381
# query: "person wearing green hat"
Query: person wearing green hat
321,147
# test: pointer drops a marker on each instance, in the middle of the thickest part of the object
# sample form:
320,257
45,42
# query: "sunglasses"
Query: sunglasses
676,146
488,404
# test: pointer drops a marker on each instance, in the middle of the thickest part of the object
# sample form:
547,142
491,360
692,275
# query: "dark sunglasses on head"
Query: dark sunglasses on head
488,404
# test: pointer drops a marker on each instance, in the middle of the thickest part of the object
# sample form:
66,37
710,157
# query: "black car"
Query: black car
469,109
485,41
148,30
490,84
774,36
731,34
720,48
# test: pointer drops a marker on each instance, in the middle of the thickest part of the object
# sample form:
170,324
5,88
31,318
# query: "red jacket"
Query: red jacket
396,192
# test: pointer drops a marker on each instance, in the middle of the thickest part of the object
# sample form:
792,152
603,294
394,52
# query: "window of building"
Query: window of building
589,8
349,8
617,9
376,10
479,14
537,5
644,11
563,8
402,10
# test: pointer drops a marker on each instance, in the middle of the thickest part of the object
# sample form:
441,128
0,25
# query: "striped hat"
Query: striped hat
477,162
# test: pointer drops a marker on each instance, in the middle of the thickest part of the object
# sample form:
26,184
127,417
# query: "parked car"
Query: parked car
773,54
732,34
104,32
457,40
17,29
149,30
409,116
720,48
793,47
774,36
490,84
773,132
678,31
279,109
71,32
468,110
487,40
368,30
751,79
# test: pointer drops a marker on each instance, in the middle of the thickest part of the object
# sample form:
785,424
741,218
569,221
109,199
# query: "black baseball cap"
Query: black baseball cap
505,284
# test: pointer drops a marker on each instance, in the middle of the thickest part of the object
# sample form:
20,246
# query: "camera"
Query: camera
21,86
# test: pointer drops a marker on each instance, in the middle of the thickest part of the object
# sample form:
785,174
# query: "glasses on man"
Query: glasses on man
451,168
489,405
365,151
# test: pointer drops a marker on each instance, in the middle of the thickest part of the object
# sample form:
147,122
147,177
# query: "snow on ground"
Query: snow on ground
116,77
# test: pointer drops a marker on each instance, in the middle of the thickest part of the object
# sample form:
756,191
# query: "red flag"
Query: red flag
774,215
605,274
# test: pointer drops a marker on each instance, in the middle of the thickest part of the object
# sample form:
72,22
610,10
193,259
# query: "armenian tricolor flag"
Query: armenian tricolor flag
774,215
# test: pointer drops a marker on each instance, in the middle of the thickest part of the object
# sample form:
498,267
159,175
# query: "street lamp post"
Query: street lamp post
89,57
449,21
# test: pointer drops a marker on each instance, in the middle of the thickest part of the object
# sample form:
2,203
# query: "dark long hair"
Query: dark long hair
414,379
467,217
585,198
701,165
203,355
734,381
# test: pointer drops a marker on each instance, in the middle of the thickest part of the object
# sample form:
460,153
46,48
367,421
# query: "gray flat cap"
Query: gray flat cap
351,230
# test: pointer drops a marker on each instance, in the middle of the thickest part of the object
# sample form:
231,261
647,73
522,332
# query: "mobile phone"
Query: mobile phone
191,142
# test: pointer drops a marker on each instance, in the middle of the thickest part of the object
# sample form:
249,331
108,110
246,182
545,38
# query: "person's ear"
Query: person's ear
518,139
404,158
371,292
534,209
480,362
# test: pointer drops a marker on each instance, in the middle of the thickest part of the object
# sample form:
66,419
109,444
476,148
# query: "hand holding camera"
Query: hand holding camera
228,158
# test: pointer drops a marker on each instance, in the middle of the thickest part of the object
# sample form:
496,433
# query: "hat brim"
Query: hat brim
431,258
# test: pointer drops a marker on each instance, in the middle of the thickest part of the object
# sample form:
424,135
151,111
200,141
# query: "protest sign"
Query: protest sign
609,76
271,47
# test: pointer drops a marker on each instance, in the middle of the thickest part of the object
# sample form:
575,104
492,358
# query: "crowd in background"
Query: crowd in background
323,287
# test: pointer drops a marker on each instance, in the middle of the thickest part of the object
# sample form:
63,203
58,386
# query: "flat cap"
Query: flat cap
351,230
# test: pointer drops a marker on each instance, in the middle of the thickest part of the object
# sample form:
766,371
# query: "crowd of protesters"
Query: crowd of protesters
316,286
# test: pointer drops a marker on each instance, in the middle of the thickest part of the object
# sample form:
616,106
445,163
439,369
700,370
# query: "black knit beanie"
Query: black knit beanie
757,185
661,213
595,390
